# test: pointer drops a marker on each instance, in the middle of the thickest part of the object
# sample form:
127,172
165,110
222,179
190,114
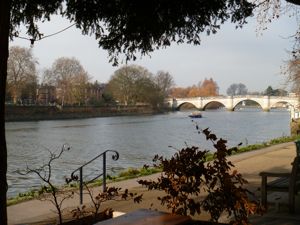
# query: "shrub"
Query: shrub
188,174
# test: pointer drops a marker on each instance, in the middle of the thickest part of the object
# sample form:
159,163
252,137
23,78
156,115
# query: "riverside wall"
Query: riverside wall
32,113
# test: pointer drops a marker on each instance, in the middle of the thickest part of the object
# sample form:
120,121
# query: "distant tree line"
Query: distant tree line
22,76
241,89
275,92
66,82
207,87
237,89
133,85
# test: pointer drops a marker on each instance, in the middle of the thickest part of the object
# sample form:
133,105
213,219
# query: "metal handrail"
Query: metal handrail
115,157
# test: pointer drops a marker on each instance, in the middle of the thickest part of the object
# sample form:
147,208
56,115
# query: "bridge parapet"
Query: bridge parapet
230,102
283,97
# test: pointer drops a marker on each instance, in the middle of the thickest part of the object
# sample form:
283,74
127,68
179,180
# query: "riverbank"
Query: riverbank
250,164
132,173
34,113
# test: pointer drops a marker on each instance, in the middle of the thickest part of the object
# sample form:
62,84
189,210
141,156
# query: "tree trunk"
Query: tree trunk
295,2
4,42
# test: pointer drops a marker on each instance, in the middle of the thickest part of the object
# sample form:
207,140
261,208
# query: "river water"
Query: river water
136,138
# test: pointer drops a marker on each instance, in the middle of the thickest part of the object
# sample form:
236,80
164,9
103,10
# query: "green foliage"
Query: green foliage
31,194
108,98
133,26
275,92
283,139
127,174
146,26
134,172
274,141
188,174
132,85
252,147
131,173
47,189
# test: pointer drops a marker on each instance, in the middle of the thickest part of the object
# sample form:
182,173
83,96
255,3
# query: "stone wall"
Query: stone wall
28,113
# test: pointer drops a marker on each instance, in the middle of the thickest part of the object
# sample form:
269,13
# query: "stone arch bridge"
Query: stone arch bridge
230,102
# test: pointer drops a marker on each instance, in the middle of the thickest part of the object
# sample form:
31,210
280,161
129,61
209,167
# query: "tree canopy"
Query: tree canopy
70,77
131,85
237,89
275,92
21,72
130,26
208,87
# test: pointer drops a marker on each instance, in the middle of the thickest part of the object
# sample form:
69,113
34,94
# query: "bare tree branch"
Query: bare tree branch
49,191
295,2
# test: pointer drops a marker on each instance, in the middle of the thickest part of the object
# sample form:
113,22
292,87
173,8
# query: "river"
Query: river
136,138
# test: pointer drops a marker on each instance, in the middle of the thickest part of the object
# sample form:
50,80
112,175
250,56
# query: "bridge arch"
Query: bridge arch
246,100
188,104
215,103
280,102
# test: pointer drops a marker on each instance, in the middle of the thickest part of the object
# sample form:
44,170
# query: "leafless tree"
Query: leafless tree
269,10
237,89
70,79
21,70
292,74
49,191
165,82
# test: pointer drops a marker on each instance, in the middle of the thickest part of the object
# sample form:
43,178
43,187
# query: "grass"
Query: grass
29,195
123,175
129,173
138,172
275,141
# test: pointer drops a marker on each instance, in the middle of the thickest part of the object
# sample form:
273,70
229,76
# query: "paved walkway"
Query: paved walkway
275,158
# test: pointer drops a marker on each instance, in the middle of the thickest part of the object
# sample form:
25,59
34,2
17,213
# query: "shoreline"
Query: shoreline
242,154
43,113
250,164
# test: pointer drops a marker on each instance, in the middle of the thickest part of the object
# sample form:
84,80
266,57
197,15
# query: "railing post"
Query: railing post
81,186
104,172
115,157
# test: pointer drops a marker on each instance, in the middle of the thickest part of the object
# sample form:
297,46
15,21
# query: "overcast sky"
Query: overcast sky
230,56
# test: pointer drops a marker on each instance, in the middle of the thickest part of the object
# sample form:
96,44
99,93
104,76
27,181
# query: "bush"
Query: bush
188,174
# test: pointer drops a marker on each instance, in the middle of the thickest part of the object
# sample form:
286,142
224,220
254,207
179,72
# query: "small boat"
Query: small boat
195,115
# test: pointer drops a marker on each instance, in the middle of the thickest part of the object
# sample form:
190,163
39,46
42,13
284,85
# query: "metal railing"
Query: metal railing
115,157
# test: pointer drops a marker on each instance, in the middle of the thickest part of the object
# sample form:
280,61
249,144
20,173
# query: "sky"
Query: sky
230,56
